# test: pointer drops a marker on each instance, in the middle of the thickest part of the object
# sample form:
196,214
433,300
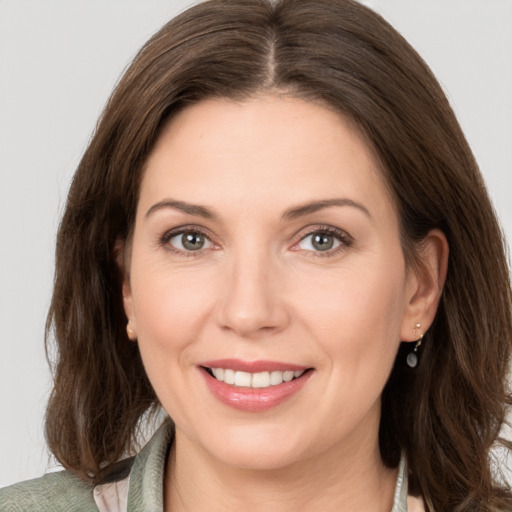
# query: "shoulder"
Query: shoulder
56,492
64,492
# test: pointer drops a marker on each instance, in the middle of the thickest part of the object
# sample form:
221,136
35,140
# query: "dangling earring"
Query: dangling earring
129,330
412,357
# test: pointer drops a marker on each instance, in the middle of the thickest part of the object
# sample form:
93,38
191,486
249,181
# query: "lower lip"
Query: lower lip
254,399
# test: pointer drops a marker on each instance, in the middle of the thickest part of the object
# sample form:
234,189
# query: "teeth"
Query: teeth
260,380
287,376
243,379
219,373
254,380
229,376
276,378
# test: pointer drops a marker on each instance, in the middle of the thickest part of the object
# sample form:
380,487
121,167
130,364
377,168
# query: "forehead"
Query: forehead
272,149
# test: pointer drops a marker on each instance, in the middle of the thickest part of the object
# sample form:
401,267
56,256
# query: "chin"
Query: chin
254,448
259,458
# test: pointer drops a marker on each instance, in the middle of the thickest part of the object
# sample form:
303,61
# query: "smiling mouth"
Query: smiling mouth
254,386
259,380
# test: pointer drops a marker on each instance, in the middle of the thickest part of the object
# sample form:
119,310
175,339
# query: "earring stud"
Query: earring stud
130,331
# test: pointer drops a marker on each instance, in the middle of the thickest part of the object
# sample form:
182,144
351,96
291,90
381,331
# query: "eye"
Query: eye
326,241
189,241
319,242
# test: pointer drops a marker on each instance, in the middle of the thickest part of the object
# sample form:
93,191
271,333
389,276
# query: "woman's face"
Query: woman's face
266,248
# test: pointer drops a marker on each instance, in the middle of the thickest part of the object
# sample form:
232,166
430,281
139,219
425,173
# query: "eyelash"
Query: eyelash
344,238
193,230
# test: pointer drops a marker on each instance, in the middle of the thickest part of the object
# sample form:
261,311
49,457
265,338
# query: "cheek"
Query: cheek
170,307
356,315
355,322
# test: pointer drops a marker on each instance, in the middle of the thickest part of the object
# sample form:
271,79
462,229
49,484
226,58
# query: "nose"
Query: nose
252,304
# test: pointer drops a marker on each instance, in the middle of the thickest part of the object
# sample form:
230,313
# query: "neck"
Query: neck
341,480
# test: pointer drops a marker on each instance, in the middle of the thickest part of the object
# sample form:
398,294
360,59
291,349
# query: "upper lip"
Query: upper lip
252,366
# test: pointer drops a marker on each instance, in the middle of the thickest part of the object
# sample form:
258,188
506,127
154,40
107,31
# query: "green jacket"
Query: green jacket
64,492
143,479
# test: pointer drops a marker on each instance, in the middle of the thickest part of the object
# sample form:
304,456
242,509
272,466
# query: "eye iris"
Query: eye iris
322,242
192,241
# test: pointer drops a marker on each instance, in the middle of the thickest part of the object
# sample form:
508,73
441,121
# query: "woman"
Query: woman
279,234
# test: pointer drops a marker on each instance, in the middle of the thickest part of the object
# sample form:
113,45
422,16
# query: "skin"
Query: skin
260,290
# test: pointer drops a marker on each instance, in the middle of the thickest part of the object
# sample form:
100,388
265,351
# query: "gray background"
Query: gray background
59,60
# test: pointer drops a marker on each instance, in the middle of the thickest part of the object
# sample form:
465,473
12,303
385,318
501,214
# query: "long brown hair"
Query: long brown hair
444,415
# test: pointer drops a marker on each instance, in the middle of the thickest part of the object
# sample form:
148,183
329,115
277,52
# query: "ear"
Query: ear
425,282
122,258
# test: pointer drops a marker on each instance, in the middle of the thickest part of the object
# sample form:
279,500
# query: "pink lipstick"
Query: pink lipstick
253,386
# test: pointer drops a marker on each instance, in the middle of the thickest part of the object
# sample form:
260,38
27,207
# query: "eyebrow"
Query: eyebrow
315,206
290,214
191,209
